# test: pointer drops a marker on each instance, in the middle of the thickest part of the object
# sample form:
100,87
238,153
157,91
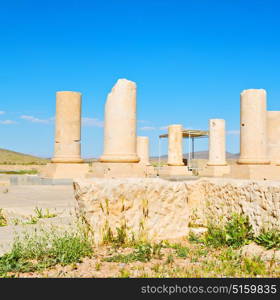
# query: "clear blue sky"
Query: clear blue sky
189,58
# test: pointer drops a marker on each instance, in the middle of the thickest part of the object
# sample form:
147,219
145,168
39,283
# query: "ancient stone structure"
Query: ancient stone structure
217,143
273,134
162,210
120,124
148,208
143,150
68,128
175,145
253,127
217,165
175,165
67,162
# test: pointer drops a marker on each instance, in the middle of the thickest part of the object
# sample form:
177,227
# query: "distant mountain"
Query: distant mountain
200,155
12,157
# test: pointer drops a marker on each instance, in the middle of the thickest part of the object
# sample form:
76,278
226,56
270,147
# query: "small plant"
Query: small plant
181,251
32,220
3,219
170,259
143,253
156,250
269,239
236,233
41,215
253,266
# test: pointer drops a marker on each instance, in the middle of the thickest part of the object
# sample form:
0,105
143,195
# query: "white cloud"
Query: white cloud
2,112
92,122
233,132
34,119
148,128
8,122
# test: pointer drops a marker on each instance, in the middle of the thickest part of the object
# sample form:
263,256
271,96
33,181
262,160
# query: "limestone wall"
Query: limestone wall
216,199
160,209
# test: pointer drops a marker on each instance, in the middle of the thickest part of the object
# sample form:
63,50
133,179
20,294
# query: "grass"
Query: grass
8,157
20,172
269,239
40,214
3,219
38,251
216,254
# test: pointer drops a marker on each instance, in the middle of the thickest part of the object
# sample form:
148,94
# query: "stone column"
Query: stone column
68,128
217,143
273,134
175,145
120,124
253,127
143,150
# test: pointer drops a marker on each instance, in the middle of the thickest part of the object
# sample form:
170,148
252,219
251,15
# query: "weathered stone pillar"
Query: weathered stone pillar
120,124
217,143
175,145
273,134
68,128
253,127
143,150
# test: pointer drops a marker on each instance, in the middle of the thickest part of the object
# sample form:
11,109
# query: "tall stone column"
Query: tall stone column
175,145
143,150
253,127
273,134
217,143
68,128
120,124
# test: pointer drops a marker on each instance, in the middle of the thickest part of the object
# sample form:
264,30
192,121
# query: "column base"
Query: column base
107,158
65,170
253,161
215,171
67,160
257,172
174,171
120,170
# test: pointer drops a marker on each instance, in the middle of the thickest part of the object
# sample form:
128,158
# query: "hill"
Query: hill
200,155
12,157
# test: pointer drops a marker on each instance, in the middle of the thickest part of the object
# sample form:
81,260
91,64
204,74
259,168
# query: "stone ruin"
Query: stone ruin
122,187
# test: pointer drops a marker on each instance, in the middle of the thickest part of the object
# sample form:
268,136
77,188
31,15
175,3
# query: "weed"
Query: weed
269,239
170,259
41,215
40,251
236,233
253,266
181,251
3,219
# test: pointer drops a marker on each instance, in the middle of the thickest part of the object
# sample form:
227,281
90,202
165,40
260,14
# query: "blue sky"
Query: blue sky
189,58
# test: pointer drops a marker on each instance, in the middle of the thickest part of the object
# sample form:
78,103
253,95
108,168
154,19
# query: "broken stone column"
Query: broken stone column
217,143
120,124
253,127
143,150
273,134
68,128
175,145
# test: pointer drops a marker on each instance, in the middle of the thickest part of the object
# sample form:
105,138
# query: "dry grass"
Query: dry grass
12,158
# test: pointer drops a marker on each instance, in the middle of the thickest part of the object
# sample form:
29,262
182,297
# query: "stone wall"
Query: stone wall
149,208
216,199
159,209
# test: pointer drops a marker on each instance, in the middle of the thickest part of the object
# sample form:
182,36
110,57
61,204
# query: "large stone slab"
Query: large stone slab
151,208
